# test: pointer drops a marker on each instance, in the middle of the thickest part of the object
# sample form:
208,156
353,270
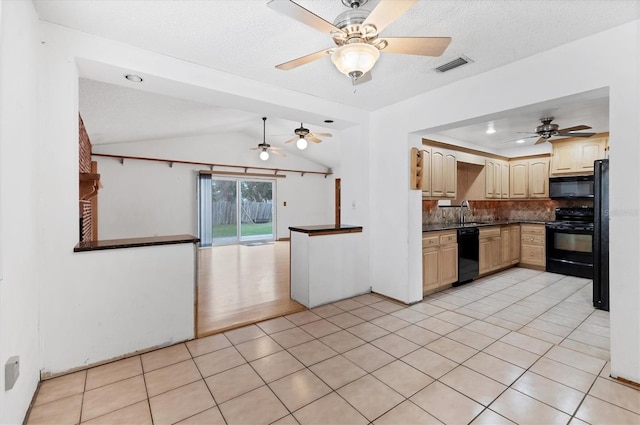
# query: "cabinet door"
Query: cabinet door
448,264
564,158
426,172
497,180
430,268
504,177
514,235
539,178
484,256
450,175
489,176
505,248
519,179
437,174
589,151
495,256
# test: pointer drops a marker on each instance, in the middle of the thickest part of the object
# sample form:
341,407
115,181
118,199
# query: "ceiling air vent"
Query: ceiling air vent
453,64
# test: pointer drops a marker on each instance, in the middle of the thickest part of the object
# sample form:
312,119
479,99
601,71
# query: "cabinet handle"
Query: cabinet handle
531,254
531,239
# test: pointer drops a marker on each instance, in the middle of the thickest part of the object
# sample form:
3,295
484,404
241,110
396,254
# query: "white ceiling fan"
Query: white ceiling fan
355,34
303,134
264,147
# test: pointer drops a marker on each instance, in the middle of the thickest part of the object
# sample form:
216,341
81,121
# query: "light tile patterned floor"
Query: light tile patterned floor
517,347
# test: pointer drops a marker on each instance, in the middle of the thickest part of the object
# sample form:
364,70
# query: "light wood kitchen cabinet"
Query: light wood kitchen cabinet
532,250
440,171
539,178
505,248
439,260
576,155
490,247
426,172
504,176
514,247
529,178
496,179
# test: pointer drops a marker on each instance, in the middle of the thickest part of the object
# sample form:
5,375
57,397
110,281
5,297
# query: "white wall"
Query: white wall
584,65
19,233
133,299
142,198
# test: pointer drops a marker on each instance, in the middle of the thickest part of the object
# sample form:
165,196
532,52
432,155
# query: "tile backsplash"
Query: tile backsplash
534,210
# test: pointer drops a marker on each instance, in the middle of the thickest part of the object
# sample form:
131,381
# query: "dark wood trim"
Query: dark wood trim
211,165
134,242
235,173
328,229
287,239
338,201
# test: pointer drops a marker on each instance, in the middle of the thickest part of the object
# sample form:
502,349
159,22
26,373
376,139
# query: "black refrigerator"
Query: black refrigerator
601,235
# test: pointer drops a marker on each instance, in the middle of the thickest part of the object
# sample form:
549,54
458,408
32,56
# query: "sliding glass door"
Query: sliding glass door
235,210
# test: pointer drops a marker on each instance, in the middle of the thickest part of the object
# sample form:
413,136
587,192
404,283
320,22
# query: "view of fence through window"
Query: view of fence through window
242,210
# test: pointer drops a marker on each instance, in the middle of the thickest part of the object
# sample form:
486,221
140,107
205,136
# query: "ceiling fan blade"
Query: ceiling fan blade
299,13
423,46
575,134
292,139
313,139
277,153
386,12
363,79
303,60
322,134
540,140
576,128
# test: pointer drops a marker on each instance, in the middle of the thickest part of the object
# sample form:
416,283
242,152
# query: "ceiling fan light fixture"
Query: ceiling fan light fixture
302,143
264,155
355,59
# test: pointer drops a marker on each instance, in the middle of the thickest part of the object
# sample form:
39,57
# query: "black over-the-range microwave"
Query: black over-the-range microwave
571,187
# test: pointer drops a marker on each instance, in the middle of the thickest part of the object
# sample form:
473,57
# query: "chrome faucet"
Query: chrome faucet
464,204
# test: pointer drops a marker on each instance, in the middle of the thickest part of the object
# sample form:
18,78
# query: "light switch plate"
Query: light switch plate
11,372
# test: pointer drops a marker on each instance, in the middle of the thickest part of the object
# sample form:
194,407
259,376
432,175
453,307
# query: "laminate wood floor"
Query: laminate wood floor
239,285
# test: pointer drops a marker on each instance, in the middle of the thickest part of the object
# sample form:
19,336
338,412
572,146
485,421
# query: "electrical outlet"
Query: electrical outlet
11,372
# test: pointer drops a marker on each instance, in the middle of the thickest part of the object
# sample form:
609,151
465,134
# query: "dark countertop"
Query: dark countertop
326,229
451,226
134,242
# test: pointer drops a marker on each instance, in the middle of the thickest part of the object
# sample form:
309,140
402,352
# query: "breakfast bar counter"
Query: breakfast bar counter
323,263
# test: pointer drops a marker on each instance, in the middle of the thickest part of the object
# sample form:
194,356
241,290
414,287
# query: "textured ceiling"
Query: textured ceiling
247,38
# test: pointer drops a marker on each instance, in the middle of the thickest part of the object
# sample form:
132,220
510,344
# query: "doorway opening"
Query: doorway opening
235,210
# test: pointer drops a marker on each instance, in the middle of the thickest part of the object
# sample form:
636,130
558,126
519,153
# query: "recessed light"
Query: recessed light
491,128
134,78
520,141
328,121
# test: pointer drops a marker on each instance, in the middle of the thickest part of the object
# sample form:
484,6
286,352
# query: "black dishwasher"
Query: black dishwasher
468,254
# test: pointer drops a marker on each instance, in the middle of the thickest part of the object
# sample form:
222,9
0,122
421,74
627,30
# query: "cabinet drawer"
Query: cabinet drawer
448,238
533,255
532,229
433,240
490,232
530,239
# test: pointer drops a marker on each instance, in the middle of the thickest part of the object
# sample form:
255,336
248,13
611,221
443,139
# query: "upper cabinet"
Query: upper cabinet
576,155
496,179
529,178
439,173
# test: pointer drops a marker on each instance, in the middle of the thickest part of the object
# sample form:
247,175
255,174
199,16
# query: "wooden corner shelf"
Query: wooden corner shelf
89,185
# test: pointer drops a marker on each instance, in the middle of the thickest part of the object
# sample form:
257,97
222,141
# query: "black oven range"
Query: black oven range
569,242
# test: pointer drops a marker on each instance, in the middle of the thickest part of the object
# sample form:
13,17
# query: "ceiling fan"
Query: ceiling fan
264,147
356,36
303,134
547,130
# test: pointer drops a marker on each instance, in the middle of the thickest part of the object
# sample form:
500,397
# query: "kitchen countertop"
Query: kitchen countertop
326,229
451,226
134,242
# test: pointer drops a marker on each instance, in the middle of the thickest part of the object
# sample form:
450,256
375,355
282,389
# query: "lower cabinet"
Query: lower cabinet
532,246
499,247
439,260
